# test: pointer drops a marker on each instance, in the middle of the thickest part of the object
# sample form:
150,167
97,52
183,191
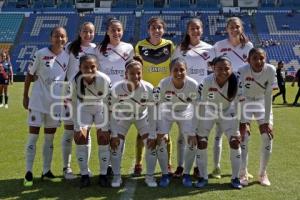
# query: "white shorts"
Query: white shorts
122,126
255,110
88,115
38,119
184,122
227,121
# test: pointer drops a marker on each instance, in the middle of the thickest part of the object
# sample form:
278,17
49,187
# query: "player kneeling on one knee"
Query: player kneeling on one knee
132,102
218,101
177,96
90,96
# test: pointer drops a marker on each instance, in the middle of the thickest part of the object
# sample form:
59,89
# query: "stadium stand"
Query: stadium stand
9,26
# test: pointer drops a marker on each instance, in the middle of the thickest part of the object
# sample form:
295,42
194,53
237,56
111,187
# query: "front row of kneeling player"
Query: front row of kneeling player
177,99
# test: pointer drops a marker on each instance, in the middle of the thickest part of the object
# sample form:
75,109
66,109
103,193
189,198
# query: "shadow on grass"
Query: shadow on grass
133,188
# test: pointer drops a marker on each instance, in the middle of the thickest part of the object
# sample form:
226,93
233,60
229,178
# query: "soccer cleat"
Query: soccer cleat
1,105
116,181
47,176
164,181
170,171
186,180
196,173
6,106
109,171
178,173
137,170
216,173
28,179
201,183
103,181
150,181
244,180
68,174
236,184
85,181
264,180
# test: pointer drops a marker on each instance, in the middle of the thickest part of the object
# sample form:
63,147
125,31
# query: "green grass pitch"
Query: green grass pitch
283,168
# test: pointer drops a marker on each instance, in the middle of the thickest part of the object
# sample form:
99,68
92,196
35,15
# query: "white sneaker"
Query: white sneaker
264,180
68,174
6,106
1,105
150,181
116,181
244,180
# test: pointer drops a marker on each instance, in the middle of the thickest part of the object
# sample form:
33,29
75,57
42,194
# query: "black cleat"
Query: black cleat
48,176
85,181
28,179
103,181
109,172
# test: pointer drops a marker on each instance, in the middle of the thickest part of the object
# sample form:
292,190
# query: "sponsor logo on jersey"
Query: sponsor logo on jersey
201,72
47,57
156,69
249,78
212,89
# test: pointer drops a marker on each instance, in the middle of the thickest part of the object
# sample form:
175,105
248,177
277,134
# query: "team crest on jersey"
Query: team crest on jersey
33,118
166,51
244,56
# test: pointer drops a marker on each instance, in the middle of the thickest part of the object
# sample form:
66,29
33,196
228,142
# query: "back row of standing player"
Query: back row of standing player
113,54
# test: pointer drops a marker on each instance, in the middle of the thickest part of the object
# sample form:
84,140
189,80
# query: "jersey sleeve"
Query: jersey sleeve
33,67
106,103
268,95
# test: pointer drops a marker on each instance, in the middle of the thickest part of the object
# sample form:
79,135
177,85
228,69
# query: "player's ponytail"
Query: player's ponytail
232,86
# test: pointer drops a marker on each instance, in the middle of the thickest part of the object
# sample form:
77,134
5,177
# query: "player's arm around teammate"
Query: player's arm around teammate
132,102
177,94
256,80
49,66
90,91
218,105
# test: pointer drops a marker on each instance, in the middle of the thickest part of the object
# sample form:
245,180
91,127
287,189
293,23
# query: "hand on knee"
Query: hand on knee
234,142
114,143
192,141
80,138
103,137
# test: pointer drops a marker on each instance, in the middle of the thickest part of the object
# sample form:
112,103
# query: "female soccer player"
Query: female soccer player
6,77
236,47
89,100
256,79
81,46
112,55
133,103
49,66
156,53
197,55
178,92
218,104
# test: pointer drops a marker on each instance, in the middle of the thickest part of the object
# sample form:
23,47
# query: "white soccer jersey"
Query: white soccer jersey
212,93
238,55
73,67
112,62
184,97
136,105
92,95
258,86
197,58
50,70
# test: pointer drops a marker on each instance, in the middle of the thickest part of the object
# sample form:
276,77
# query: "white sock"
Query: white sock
89,145
244,155
202,162
180,150
66,144
162,155
116,157
265,152
218,146
235,157
82,158
47,152
104,158
151,158
30,150
189,157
